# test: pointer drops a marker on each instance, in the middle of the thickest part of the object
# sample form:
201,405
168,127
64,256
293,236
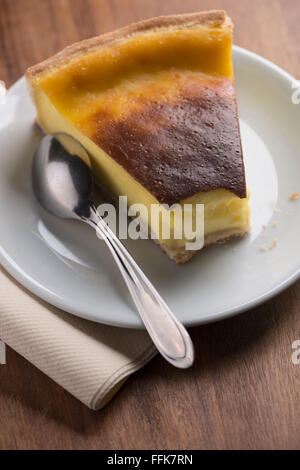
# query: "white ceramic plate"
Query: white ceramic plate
65,264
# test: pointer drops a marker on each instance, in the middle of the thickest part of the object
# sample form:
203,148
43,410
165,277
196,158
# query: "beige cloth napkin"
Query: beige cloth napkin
89,360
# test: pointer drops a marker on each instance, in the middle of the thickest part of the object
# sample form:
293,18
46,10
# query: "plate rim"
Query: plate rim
45,294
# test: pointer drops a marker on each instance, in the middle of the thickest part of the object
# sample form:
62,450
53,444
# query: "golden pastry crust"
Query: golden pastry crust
182,256
210,18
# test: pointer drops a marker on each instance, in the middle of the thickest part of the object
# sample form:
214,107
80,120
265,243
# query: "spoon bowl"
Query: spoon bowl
62,177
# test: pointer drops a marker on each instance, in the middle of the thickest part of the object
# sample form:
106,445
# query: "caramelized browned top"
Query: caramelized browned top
177,148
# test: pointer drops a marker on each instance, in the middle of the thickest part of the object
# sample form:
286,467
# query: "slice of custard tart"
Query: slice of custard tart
154,105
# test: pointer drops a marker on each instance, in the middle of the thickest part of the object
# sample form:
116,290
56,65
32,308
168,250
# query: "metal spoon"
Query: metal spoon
63,183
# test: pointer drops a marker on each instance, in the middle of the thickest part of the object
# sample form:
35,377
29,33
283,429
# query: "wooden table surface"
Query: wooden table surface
244,391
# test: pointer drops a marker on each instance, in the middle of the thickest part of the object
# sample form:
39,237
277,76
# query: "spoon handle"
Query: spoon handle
168,334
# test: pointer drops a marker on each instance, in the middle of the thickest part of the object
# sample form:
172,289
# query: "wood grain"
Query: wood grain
244,391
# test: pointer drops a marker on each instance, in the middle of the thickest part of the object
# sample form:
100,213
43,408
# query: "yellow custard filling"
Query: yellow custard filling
223,209
117,80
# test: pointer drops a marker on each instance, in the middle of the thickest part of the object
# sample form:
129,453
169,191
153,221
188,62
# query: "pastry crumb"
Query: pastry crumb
274,223
262,236
273,244
276,211
264,248
264,226
293,196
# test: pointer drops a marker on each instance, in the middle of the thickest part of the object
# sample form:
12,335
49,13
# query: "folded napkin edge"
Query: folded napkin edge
107,390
